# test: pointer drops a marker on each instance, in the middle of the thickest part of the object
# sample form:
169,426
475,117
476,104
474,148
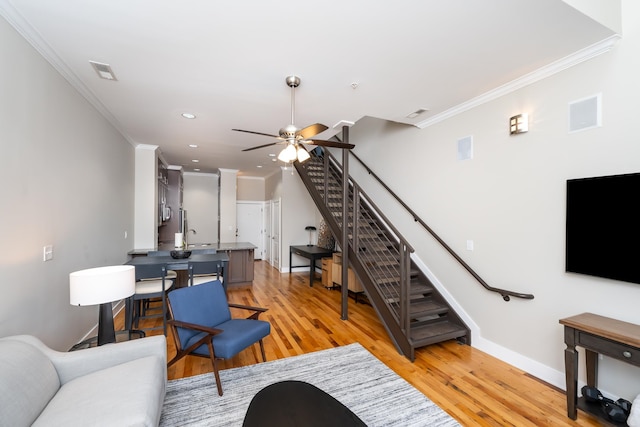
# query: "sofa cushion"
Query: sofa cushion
29,381
129,394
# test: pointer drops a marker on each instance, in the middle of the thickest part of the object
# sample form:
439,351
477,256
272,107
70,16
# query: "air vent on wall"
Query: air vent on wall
104,70
585,114
465,148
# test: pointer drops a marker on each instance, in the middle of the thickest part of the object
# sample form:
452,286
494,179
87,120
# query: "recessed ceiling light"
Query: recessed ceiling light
272,155
197,170
193,145
274,160
188,116
195,161
259,166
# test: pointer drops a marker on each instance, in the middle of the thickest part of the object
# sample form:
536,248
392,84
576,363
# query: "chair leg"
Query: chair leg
264,358
214,362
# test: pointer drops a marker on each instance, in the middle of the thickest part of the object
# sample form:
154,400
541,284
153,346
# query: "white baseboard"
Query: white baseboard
537,369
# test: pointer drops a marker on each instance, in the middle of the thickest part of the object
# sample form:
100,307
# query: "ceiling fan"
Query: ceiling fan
293,137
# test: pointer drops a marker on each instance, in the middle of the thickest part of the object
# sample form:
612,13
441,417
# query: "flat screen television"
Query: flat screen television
603,227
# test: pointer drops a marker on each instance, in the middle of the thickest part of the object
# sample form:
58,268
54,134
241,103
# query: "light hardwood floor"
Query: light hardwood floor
473,387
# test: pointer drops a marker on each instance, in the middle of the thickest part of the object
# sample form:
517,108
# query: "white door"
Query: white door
249,225
267,231
275,234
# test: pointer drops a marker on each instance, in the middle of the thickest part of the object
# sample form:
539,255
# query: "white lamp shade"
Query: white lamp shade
102,284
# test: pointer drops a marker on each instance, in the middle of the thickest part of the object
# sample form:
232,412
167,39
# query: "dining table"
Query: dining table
180,266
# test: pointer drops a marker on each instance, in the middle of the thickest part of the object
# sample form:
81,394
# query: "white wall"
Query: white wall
200,200
146,197
298,211
510,200
68,180
227,199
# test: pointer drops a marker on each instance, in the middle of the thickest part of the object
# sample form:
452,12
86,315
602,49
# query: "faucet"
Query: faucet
186,237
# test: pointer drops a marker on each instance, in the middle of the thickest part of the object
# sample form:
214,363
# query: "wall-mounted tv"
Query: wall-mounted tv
603,227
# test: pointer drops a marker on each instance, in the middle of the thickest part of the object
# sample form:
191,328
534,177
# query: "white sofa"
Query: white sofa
113,385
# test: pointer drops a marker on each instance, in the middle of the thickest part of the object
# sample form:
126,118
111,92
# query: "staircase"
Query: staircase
414,313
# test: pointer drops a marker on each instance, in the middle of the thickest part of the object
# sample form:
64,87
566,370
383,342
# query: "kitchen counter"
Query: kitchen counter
240,254
231,246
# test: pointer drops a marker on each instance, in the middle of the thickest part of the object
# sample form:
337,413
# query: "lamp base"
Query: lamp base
106,331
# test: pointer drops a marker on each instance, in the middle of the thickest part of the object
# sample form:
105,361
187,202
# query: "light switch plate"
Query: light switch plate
47,253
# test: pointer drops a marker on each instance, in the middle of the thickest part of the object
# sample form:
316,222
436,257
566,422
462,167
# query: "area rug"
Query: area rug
349,373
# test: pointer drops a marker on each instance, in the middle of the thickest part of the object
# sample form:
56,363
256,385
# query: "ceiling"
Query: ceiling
226,63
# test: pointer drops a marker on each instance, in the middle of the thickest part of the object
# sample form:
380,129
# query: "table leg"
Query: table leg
591,358
571,372
312,268
128,313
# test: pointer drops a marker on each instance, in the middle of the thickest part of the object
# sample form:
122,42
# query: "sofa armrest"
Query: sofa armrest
82,362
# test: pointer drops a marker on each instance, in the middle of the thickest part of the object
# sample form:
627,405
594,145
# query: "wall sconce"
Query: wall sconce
519,124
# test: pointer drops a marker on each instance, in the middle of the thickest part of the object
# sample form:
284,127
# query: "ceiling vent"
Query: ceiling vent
416,113
104,70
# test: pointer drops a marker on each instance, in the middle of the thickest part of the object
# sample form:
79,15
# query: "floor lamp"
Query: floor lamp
102,285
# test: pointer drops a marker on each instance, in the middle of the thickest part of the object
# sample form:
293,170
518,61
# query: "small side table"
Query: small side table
312,253
597,335
121,336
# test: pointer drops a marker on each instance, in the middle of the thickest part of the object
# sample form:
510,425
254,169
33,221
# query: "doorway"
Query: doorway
274,260
249,222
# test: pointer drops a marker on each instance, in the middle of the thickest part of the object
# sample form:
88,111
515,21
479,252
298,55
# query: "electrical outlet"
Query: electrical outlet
47,253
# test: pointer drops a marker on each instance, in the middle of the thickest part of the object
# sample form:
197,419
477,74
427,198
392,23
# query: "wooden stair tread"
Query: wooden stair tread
436,332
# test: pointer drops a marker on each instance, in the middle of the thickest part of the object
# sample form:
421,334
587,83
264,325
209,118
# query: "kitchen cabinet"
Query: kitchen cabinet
240,266
170,206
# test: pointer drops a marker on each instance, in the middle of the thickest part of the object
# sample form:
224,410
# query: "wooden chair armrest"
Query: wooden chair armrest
248,307
256,310
201,328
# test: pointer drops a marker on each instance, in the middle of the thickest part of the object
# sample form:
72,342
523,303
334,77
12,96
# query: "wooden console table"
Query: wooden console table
597,335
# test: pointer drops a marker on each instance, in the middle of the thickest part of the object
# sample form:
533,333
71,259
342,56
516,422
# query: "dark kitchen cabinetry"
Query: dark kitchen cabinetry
172,205
240,265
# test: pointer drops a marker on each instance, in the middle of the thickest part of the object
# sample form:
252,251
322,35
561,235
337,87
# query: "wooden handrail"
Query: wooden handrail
506,294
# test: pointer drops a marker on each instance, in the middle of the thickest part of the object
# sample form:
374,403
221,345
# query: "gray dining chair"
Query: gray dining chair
170,273
151,282
205,271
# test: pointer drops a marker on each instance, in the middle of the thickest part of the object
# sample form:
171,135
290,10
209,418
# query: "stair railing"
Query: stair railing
360,207
506,294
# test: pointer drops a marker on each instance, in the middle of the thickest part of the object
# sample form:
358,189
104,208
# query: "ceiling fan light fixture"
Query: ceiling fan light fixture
303,154
288,154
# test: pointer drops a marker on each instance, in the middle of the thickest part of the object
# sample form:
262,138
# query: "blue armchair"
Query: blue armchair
201,323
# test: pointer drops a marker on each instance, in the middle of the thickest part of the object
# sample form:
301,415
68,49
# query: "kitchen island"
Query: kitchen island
241,254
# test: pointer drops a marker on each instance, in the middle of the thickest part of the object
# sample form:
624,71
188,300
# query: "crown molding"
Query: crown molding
576,58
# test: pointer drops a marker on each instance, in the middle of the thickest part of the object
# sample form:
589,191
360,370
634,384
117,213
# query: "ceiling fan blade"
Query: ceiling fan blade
256,133
328,143
261,146
312,130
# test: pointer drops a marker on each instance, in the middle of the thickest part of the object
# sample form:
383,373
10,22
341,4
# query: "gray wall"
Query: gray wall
67,179
510,200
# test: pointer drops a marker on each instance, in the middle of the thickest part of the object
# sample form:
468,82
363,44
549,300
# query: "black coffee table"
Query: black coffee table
296,403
